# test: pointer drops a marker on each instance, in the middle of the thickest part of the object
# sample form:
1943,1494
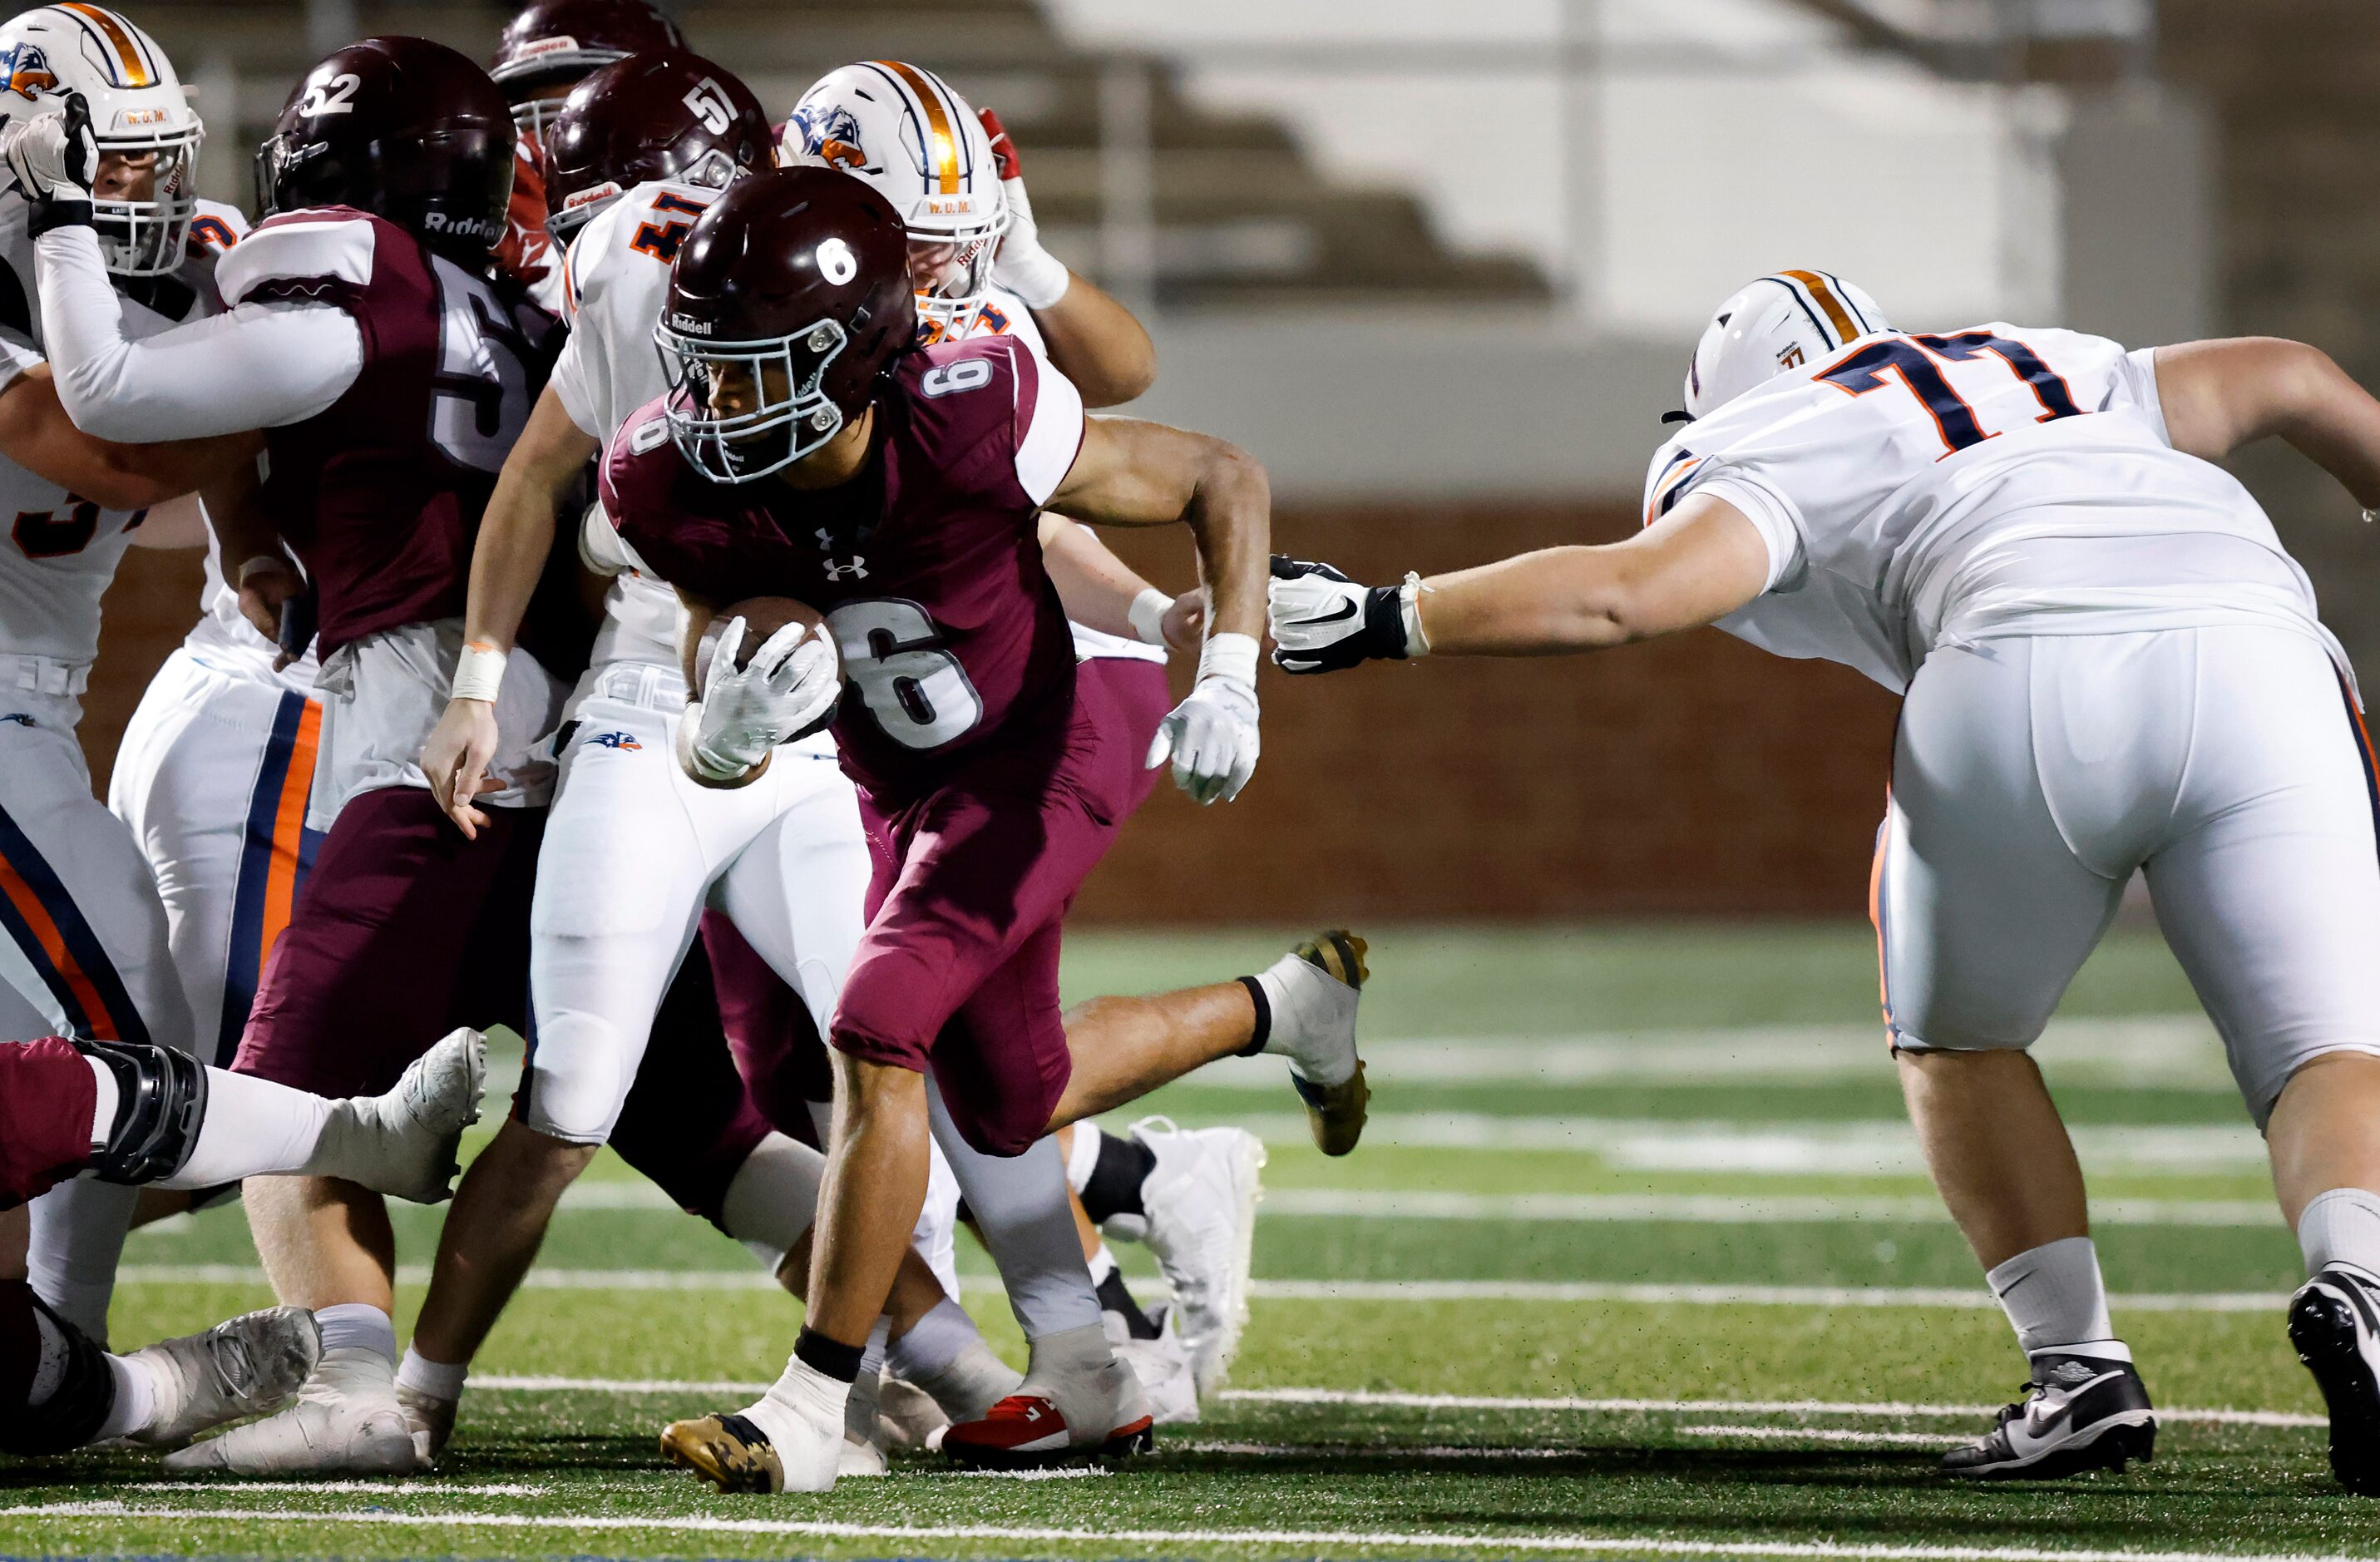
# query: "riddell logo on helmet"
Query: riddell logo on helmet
603,191
556,44
461,227
688,326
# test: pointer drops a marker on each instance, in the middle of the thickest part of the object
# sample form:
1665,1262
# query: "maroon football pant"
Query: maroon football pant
958,968
47,1096
404,930
775,1043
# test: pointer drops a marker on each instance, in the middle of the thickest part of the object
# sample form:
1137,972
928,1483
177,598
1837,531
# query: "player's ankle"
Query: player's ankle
433,1380
358,1326
2341,1228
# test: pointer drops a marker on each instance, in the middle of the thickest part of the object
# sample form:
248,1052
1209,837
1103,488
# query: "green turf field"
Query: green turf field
1637,1259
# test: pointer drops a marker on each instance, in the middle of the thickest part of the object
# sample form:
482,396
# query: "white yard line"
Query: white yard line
1722,1209
420,1486
1321,1291
1824,1435
1891,1409
1358,1541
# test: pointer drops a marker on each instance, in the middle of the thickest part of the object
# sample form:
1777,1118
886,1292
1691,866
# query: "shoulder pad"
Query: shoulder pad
301,254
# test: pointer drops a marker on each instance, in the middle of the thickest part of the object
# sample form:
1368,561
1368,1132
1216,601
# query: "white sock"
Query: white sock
2341,1226
1083,1158
357,1326
773,1199
2055,1298
253,1128
102,1112
801,1400
871,1356
77,1240
1102,1264
1080,1351
136,1399
439,1380
932,1343
1020,1206
1290,987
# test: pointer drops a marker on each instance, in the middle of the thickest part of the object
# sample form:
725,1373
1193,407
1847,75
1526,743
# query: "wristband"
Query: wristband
478,671
1147,616
1232,657
261,561
1409,608
1038,279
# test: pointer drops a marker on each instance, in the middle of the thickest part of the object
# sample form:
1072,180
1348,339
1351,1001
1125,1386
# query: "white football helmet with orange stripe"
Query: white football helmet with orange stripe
1781,322
901,127
138,111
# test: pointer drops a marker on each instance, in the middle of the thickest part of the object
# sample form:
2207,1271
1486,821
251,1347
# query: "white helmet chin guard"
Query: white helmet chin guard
1781,322
138,109
902,130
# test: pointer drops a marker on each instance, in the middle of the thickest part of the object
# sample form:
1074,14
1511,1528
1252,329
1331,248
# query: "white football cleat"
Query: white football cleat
1313,990
790,1439
910,1418
1162,1366
863,1430
1200,1201
431,1421
347,1418
969,1386
241,1367
404,1143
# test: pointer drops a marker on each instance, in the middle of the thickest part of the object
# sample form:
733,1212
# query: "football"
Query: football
763,616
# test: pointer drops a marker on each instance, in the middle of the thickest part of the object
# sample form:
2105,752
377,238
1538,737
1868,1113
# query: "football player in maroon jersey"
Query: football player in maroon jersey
389,373
811,450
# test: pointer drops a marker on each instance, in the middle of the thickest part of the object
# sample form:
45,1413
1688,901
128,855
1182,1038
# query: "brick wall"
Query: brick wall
1691,776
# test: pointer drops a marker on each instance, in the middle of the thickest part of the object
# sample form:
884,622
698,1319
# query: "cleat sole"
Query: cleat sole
1336,1114
2323,1327
2110,1446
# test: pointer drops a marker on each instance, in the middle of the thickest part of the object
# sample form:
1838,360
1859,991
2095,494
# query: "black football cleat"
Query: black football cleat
2078,1413
2335,1324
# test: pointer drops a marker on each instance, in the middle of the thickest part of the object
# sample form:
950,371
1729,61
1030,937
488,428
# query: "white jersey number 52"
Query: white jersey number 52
915,689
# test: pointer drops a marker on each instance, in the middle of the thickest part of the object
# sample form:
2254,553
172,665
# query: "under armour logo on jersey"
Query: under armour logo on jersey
826,540
616,740
856,569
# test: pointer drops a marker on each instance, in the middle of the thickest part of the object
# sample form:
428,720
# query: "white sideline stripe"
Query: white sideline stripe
2168,1050
1694,1208
1316,1290
415,1488
1722,1209
1825,1435
1891,1409
1357,1540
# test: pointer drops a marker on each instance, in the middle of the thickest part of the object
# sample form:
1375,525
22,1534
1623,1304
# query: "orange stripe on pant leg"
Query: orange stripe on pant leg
53,945
288,833
1875,912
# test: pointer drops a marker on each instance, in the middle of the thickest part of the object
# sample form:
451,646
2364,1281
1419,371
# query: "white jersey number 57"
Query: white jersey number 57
916,690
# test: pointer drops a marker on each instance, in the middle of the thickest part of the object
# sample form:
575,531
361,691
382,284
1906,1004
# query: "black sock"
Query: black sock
1116,1296
1264,1016
1124,1164
831,1357
74,1408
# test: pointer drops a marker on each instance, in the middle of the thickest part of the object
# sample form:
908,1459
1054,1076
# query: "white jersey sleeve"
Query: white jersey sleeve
616,279
260,366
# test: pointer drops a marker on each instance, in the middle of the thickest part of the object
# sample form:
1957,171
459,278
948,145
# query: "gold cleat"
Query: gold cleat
1336,1112
725,1451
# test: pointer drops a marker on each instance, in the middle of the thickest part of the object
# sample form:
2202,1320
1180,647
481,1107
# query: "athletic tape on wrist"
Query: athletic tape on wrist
1229,656
478,671
1147,616
1409,603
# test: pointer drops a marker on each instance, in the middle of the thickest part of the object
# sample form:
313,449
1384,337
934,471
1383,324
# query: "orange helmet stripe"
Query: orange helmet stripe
128,52
939,132
1822,290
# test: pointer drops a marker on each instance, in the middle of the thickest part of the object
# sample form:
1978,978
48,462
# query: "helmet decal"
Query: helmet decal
28,69
938,157
830,132
119,40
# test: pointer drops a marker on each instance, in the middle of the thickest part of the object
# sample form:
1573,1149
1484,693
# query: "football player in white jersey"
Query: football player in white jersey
87,947
2110,664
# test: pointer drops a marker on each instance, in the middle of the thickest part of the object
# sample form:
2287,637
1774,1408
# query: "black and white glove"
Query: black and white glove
787,691
1323,622
53,158
1211,736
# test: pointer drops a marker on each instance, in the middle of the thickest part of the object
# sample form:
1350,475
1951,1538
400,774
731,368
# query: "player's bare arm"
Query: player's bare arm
515,538
2219,395
36,434
1104,593
1692,566
178,524
1133,473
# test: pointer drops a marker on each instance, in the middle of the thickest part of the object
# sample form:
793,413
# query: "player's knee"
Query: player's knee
578,1079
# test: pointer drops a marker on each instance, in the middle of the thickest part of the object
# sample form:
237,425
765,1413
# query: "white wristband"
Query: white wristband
1229,656
1147,616
1409,606
478,671
261,561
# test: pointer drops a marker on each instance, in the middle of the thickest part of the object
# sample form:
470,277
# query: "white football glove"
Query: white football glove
1211,736
789,688
53,157
1322,622
1022,266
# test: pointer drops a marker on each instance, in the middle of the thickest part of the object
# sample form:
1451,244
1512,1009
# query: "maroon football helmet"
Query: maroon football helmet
649,116
403,127
788,304
554,42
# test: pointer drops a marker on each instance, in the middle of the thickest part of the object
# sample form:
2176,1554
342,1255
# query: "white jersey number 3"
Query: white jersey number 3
916,690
